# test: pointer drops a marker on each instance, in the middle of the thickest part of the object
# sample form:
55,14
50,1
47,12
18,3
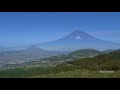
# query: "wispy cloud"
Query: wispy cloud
58,46
62,33
108,33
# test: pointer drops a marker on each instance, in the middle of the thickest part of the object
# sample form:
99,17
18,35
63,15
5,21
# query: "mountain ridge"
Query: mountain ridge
79,40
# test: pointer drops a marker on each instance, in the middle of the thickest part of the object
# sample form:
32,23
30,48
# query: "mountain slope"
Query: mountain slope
79,40
110,61
77,35
108,51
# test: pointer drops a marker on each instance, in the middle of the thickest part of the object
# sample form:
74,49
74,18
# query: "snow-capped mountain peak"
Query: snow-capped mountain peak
78,35
79,40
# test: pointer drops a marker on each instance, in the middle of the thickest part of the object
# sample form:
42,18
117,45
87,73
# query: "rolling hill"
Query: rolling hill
83,53
109,61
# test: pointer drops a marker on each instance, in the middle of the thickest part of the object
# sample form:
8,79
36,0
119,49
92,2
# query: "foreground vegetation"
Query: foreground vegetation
81,68
56,73
79,74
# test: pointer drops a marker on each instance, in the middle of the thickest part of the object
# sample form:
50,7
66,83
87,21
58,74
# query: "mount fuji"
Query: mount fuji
78,40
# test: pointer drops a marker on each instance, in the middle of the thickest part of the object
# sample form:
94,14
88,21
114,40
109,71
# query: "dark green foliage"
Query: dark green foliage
84,53
109,61
22,72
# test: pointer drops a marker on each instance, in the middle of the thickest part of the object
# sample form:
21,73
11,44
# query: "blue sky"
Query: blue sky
35,27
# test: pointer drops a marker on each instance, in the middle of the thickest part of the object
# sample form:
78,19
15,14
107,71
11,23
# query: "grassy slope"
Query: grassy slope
79,74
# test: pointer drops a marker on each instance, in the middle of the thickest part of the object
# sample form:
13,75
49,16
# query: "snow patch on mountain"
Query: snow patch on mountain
78,38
